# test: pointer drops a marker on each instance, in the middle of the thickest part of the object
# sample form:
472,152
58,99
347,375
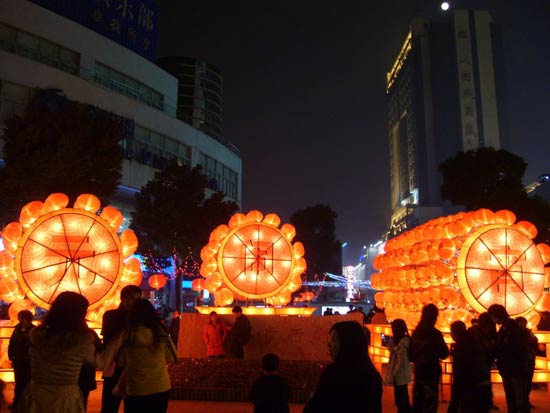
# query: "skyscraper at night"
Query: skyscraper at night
442,98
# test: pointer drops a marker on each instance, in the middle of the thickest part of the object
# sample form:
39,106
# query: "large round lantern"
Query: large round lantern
252,257
157,281
464,263
54,249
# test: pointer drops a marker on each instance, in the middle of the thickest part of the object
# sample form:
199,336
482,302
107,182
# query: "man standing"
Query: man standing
512,355
238,335
427,349
114,322
18,353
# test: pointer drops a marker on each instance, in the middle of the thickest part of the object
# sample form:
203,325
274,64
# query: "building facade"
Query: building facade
200,93
442,98
41,49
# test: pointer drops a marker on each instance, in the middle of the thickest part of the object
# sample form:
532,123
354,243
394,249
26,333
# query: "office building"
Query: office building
442,95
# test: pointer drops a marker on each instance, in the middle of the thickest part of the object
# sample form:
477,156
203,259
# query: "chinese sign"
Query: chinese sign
130,23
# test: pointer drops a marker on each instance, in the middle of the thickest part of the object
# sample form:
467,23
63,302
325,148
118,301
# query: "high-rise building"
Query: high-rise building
442,98
200,92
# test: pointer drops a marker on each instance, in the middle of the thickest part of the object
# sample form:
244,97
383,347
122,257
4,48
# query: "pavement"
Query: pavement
540,398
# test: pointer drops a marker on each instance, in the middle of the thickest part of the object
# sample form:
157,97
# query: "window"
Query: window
220,177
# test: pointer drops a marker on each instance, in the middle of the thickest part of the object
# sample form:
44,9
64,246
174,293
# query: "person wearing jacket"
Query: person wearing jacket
398,373
427,349
145,351
214,335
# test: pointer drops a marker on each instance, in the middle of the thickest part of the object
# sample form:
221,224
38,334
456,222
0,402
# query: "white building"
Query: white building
42,49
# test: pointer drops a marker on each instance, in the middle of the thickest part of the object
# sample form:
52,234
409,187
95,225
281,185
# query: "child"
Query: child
270,393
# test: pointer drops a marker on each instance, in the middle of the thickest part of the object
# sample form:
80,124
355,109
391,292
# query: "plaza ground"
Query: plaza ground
540,397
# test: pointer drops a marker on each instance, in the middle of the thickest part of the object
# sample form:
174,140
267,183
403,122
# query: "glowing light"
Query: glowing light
445,6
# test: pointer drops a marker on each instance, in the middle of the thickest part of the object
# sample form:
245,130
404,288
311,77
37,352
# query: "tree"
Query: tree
172,211
472,178
173,215
490,178
58,146
315,228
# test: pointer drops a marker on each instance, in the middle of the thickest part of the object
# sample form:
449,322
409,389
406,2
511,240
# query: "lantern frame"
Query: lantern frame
115,245
289,257
463,276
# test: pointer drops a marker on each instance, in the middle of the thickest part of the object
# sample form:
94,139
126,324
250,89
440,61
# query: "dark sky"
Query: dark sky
304,94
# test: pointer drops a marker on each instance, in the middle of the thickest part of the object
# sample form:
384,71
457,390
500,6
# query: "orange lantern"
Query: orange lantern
55,202
254,259
157,281
88,202
113,216
65,249
197,284
473,260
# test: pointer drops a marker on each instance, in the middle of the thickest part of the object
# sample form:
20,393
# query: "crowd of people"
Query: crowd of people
55,363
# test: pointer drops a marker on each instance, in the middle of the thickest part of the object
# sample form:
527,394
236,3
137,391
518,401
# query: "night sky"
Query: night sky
305,102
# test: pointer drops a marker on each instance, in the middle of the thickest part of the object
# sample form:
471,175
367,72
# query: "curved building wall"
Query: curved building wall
157,133
200,95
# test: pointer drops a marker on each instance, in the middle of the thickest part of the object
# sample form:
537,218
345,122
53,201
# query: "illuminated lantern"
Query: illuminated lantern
463,263
308,296
254,216
197,284
129,243
131,274
55,202
66,249
11,234
157,281
505,217
30,213
527,228
544,252
273,220
6,263
218,233
254,259
223,297
113,216
88,202
9,290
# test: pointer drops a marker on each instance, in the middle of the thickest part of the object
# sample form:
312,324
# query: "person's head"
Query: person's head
144,314
474,321
213,317
429,315
237,311
128,296
399,329
486,323
25,317
458,330
521,321
270,363
498,313
360,309
67,313
347,341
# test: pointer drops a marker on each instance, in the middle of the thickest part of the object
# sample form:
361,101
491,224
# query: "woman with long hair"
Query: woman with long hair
59,347
214,335
146,350
350,383
399,372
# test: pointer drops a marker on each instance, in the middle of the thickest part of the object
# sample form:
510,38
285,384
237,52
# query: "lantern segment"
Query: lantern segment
463,263
54,249
252,257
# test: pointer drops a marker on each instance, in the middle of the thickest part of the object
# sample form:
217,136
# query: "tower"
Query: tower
442,98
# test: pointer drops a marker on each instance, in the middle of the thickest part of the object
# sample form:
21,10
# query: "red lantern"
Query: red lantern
157,281
197,284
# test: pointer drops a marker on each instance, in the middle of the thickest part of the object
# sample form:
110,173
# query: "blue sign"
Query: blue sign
130,23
